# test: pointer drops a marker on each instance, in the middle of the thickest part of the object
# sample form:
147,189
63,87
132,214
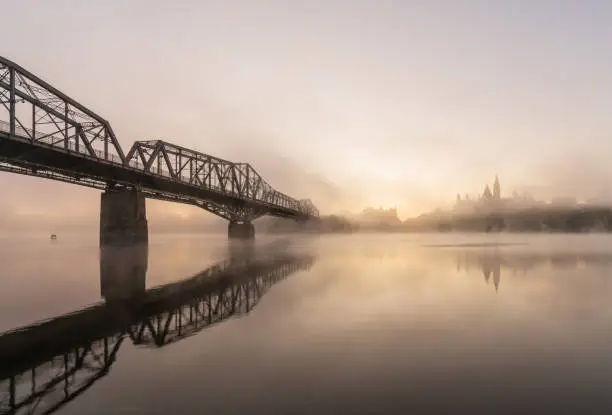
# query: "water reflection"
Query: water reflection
493,262
123,271
45,365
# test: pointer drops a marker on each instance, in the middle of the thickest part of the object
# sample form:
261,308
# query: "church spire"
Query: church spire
496,189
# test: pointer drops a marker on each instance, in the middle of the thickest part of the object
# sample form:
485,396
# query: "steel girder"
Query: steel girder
35,110
228,212
235,179
41,171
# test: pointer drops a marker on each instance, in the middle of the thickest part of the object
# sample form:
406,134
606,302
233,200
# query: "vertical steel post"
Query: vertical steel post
248,181
191,171
12,101
105,143
66,144
159,169
33,122
77,133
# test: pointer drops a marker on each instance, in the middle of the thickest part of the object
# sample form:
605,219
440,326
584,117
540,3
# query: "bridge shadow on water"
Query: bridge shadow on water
47,364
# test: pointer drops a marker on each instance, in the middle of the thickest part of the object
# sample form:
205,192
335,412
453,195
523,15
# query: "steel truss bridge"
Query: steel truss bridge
45,133
46,365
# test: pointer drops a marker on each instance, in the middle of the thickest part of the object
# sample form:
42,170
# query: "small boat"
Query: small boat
53,237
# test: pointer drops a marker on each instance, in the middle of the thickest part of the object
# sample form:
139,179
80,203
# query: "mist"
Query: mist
579,173
431,100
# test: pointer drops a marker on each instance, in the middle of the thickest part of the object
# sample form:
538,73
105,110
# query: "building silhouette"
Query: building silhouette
486,199
378,217
492,200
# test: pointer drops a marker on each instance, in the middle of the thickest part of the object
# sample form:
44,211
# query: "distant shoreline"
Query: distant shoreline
548,219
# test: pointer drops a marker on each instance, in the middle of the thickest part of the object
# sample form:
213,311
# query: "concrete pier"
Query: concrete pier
237,230
123,218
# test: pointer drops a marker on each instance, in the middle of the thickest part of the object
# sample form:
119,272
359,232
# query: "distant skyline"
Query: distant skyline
351,103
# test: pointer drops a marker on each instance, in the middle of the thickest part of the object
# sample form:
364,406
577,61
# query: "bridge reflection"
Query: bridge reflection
493,262
46,365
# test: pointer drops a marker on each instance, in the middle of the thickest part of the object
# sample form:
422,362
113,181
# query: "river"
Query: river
420,323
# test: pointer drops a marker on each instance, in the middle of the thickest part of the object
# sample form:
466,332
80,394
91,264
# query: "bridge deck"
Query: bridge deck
41,158
45,133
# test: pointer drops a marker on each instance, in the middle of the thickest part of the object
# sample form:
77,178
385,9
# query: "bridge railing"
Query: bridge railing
59,142
32,105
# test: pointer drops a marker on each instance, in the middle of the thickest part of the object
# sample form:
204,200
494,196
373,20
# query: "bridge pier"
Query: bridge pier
123,271
123,218
237,230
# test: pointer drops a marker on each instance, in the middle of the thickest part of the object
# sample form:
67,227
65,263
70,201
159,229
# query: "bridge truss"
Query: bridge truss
45,133
199,169
41,114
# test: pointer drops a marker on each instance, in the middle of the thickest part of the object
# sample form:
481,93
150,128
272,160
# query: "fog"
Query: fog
348,104
578,173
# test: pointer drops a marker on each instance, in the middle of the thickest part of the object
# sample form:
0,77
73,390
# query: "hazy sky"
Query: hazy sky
354,102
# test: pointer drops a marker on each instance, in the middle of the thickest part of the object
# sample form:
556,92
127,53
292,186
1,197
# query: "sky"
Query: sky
350,103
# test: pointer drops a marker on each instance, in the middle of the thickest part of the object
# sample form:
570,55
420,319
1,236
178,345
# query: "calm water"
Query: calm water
336,324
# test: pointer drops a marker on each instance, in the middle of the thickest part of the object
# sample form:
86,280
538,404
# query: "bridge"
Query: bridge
45,133
46,365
